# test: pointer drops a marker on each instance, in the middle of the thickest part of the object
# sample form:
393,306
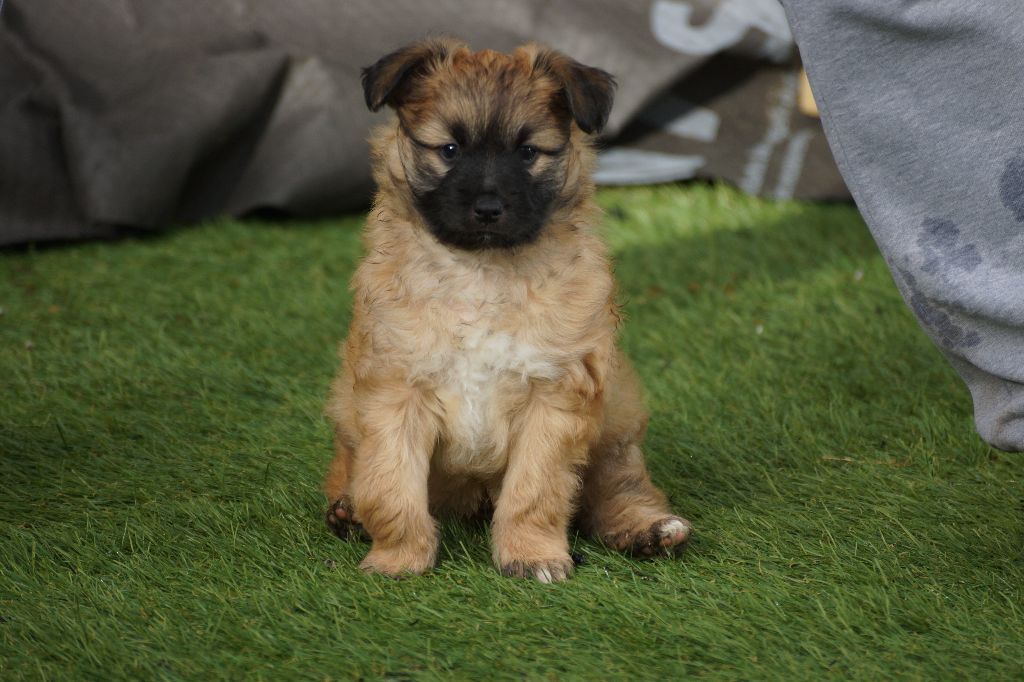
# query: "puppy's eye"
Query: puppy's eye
527,153
449,151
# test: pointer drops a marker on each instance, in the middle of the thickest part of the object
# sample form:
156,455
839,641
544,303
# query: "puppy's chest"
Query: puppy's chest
482,380
479,358
481,368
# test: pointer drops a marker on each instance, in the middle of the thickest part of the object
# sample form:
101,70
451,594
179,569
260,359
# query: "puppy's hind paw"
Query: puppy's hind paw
341,520
665,536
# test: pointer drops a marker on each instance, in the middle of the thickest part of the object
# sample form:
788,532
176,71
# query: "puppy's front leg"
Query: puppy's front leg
389,480
533,510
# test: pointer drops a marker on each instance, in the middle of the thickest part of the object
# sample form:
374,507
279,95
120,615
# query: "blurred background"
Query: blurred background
123,115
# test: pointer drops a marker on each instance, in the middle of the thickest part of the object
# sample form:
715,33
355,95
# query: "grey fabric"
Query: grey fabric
923,104
147,113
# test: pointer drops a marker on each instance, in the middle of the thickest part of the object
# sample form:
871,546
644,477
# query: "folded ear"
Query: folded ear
589,92
388,80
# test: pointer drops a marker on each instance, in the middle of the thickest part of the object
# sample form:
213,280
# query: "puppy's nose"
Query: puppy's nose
488,208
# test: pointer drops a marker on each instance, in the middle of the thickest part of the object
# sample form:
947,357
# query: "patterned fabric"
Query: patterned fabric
146,114
922,103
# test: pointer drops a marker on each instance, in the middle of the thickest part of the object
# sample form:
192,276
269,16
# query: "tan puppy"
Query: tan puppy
480,370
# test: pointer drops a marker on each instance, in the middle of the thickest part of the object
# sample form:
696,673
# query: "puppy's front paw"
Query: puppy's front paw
553,570
399,562
663,536
341,520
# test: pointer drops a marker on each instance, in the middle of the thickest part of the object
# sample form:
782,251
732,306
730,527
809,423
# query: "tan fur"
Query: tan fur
557,419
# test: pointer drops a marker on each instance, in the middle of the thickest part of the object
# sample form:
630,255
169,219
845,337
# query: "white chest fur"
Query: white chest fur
486,363
484,348
480,375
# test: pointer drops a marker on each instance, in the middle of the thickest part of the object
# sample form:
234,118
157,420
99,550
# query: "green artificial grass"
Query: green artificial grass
162,447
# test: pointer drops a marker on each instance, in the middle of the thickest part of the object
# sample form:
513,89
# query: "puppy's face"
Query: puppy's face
486,139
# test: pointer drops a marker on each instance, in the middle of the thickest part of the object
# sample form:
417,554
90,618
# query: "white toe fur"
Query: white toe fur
674,527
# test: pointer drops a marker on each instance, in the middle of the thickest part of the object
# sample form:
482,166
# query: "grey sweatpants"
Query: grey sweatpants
923,105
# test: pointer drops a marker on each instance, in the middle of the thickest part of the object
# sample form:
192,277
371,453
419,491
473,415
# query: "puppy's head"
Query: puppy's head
487,141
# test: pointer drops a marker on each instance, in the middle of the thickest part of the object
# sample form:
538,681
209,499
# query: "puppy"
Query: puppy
480,372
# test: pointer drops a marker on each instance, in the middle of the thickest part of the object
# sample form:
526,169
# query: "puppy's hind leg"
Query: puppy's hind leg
340,410
340,512
622,508
620,505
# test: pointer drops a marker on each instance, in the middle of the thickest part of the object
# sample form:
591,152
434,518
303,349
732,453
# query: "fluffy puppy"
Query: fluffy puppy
480,371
